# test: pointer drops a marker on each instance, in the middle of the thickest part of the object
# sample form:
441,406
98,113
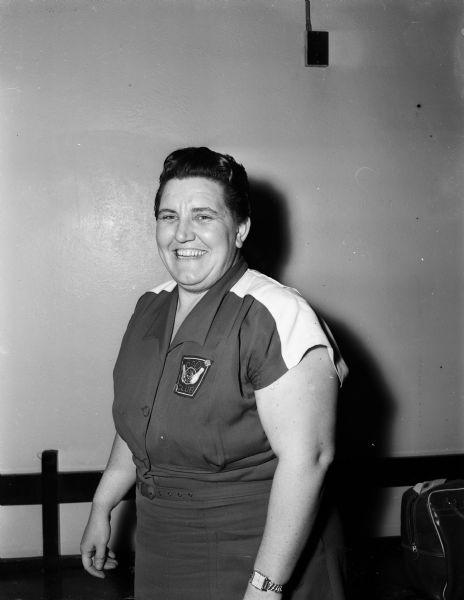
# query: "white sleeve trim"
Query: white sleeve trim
297,324
167,286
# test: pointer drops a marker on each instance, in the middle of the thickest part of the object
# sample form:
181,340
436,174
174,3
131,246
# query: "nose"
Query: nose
184,230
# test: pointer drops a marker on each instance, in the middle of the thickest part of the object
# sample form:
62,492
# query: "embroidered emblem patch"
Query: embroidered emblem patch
191,375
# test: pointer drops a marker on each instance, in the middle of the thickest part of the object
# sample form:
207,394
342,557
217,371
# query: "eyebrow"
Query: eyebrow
166,210
199,209
205,209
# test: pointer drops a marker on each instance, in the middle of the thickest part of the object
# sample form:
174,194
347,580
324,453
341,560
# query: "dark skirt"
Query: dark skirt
192,545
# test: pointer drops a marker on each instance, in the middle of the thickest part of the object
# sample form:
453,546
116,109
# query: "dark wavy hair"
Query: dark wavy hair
222,168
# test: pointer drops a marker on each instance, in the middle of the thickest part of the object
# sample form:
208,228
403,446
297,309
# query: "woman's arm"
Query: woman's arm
117,479
298,415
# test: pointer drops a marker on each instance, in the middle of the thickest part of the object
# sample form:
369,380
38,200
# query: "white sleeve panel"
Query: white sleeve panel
297,324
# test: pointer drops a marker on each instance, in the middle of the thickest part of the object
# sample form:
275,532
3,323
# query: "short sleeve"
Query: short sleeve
279,330
142,302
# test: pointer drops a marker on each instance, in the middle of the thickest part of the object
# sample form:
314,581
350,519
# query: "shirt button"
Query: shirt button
145,411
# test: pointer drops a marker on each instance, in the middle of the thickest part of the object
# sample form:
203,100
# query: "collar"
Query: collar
197,323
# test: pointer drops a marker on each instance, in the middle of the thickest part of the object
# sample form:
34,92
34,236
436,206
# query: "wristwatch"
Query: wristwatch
263,583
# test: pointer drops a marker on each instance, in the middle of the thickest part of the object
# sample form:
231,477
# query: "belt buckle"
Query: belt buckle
147,490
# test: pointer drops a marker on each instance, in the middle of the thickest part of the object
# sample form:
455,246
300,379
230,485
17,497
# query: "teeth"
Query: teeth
190,252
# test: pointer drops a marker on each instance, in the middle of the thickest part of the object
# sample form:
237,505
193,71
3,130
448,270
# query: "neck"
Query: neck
187,300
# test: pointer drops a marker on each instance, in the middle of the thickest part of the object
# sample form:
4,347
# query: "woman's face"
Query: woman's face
197,236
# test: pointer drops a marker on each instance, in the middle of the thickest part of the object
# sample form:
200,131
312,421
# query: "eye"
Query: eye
166,218
203,218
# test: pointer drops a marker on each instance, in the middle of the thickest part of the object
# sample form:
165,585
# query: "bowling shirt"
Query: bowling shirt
186,407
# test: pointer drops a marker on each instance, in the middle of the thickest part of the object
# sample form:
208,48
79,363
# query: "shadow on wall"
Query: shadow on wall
268,244
365,413
366,405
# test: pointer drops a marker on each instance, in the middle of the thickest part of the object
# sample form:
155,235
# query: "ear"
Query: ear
242,232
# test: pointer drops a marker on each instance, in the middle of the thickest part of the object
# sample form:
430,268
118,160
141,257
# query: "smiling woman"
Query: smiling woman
225,401
198,237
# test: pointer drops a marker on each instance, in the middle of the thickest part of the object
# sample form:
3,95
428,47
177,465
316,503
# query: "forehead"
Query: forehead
195,191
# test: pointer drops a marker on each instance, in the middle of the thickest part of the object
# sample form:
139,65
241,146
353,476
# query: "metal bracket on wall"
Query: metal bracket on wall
317,43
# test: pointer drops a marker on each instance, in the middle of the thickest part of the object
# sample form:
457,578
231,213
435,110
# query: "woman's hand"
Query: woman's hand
95,553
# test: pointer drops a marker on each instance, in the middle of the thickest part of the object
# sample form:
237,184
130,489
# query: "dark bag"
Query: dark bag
432,536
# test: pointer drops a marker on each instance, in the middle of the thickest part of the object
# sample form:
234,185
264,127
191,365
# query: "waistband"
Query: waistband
210,491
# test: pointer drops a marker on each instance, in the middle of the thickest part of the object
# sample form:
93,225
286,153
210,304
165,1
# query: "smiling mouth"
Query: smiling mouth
189,253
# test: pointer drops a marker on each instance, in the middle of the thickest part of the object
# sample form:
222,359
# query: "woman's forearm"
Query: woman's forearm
117,479
293,506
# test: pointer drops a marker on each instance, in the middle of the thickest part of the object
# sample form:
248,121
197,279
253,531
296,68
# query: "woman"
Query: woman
225,395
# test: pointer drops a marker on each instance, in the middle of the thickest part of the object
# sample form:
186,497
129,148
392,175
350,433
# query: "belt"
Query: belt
151,490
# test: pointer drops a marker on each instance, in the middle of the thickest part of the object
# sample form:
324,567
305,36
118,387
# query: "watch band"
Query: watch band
263,583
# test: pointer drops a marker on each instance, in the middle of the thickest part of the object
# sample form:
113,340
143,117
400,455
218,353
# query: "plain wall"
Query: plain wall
363,159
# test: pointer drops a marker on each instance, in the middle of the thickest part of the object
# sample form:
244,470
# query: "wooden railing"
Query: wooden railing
50,488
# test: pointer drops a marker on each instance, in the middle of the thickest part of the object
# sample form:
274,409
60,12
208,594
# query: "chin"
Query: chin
190,282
